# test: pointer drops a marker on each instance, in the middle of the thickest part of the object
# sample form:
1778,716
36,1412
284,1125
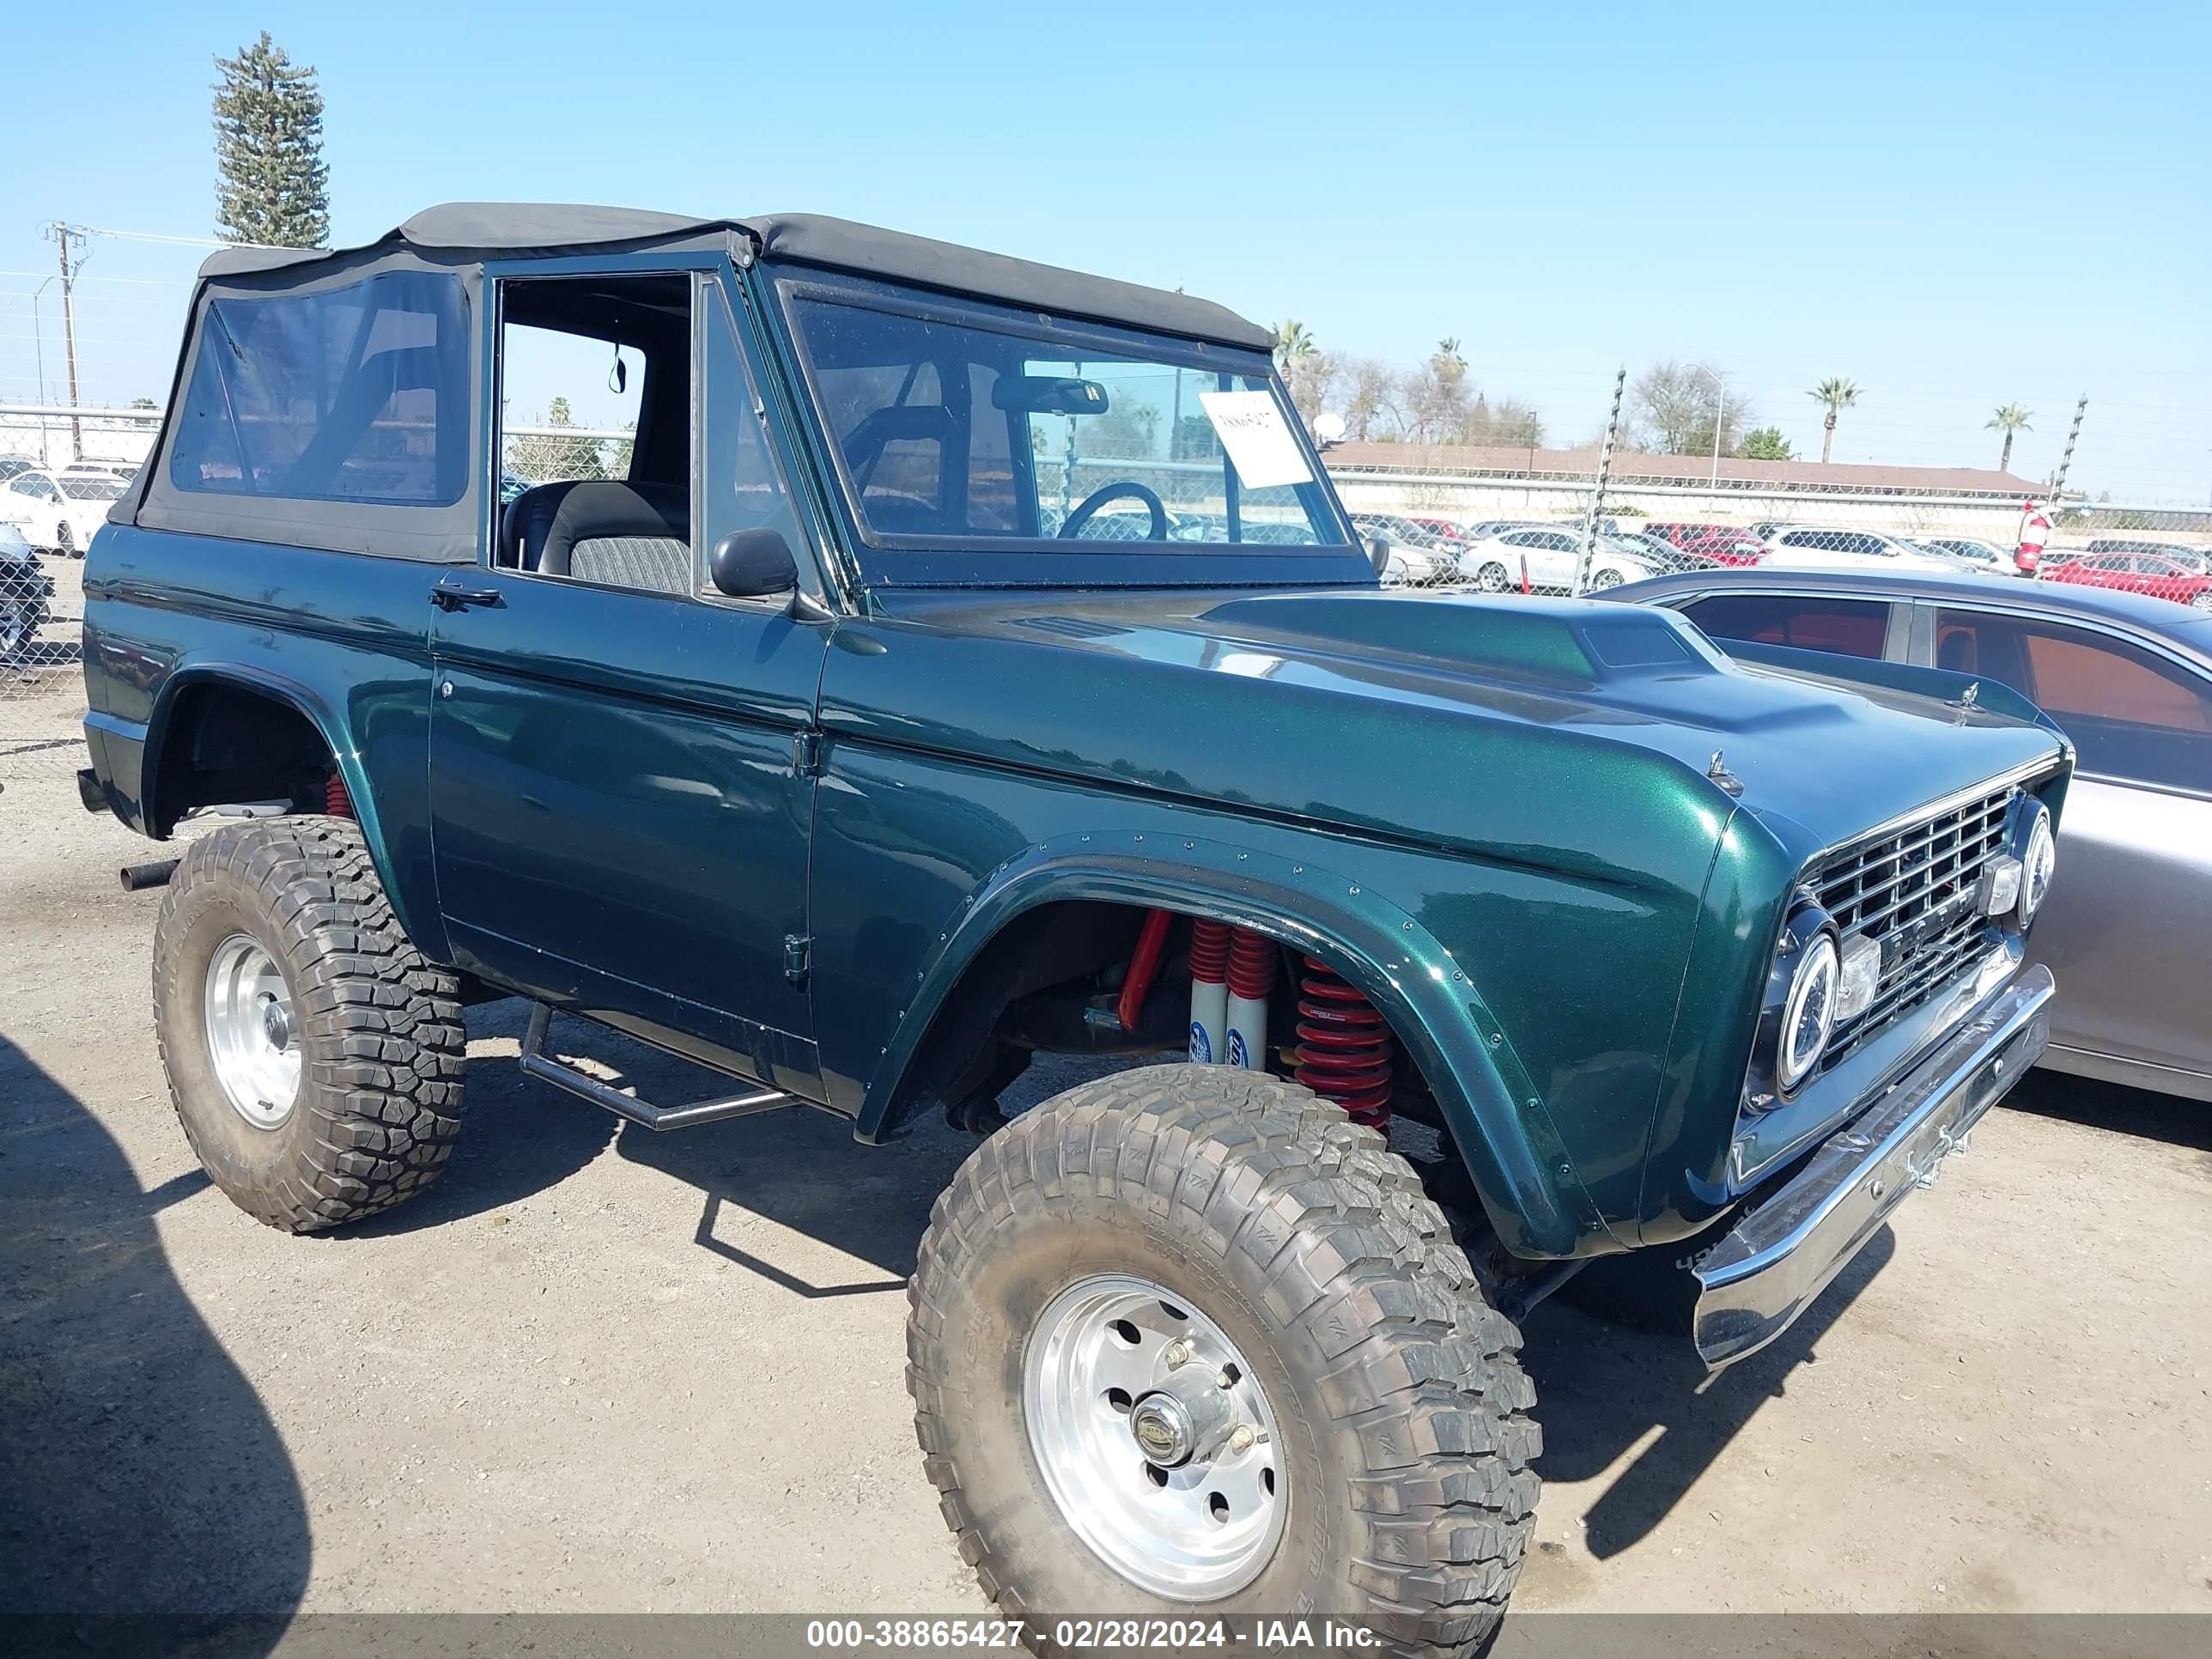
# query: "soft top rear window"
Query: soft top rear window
356,393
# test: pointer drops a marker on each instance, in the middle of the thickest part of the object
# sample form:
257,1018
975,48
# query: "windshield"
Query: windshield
959,425
91,490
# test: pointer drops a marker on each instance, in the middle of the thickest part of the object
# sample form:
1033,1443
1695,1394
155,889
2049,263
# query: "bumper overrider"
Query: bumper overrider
1782,1253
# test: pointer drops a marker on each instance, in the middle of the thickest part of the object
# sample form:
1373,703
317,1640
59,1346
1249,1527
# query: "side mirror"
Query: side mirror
752,564
1378,554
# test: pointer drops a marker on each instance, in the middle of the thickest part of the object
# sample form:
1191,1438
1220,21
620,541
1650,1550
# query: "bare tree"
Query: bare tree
1674,407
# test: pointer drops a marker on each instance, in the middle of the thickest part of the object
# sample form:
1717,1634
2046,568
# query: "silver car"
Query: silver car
2128,929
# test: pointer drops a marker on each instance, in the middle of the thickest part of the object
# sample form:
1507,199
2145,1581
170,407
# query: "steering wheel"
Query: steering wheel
1129,487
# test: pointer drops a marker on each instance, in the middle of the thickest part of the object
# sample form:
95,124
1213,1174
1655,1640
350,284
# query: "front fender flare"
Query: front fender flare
1513,1153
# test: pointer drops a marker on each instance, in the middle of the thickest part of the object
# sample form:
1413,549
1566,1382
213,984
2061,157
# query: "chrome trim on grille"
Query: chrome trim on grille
1912,885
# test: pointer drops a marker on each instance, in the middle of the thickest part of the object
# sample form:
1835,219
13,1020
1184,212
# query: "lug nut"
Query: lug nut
1242,1440
1178,1354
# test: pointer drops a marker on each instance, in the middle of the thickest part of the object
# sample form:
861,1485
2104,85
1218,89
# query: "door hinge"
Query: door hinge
806,754
797,958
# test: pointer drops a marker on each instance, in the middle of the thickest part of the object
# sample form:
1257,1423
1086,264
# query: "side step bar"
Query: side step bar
538,1064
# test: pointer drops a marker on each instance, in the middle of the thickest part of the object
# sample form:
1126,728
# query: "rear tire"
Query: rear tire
64,541
1286,1236
1492,577
281,929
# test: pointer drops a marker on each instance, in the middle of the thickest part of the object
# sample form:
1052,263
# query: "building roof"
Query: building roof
480,230
1630,467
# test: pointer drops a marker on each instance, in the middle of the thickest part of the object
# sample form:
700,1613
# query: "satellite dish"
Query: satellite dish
1328,428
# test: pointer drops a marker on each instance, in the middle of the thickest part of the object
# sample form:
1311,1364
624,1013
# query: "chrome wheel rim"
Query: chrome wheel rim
1154,1439
1492,580
252,1038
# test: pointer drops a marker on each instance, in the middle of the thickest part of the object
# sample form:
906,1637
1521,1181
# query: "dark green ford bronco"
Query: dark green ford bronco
934,660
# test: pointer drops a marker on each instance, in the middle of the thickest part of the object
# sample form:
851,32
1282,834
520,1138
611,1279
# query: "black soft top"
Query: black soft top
470,232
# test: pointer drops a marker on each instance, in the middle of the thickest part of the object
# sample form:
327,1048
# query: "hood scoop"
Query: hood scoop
1564,643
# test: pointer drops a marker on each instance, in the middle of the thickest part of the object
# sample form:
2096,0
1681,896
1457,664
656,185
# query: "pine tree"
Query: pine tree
272,185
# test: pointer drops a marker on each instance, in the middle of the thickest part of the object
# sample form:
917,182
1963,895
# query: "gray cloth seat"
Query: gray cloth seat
624,535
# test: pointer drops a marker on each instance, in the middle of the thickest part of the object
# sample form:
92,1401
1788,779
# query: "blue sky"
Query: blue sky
1956,205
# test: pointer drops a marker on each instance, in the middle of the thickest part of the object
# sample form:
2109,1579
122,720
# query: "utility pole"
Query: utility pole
63,238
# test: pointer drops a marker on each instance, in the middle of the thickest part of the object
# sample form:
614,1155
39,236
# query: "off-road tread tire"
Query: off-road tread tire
1423,1370
383,1042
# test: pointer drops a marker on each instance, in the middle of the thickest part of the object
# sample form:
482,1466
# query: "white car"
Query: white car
1814,547
1549,558
1409,566
58,512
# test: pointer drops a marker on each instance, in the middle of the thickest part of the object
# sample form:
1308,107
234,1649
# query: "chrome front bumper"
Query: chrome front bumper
1782,1253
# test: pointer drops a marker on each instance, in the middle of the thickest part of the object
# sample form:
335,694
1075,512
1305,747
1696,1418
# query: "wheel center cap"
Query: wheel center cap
1163,1430
276,1024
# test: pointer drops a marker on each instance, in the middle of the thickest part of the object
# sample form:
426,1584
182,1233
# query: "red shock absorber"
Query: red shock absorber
337,804
1344,1047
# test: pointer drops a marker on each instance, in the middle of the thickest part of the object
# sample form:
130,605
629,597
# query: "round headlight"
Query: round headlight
2036,866
1810,1013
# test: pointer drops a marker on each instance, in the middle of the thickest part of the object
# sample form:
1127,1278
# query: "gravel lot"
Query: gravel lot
599,1370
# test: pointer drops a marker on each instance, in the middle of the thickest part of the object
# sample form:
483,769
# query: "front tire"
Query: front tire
1492,577
314,1056
1345,1410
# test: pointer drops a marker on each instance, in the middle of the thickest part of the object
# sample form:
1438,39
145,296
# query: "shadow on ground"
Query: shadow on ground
139,1472
2114,1106
1603,1386
797,1167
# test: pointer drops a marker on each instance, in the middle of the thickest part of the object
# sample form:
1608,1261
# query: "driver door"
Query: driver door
620,800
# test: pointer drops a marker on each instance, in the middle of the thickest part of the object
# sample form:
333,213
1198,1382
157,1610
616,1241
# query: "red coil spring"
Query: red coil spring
1209,950
337,803
1251,964
1344,1047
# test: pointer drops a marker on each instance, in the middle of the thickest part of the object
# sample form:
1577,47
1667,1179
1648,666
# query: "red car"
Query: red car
1723,543
1445,528
2172,576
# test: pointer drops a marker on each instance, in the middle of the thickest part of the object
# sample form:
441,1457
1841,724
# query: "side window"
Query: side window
595,430
1850,627
2130,713
35,487
1523,538
358,393
740,486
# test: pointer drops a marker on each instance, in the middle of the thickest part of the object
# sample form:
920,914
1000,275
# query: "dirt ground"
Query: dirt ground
598,1369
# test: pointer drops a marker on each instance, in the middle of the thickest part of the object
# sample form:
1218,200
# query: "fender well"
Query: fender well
223,732
1514,1154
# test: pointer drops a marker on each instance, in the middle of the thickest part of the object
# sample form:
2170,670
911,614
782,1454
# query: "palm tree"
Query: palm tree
2009,419
1838,394
1293,341
1447,351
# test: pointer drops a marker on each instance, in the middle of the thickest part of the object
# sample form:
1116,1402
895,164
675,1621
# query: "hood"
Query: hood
1554,733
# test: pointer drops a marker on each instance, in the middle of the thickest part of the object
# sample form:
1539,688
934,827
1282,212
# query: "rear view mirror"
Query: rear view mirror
1047,394
752,564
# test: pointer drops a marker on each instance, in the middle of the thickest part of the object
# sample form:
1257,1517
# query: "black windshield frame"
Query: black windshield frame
997,560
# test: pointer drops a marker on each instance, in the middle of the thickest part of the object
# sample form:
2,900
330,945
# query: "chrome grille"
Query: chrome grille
1914,890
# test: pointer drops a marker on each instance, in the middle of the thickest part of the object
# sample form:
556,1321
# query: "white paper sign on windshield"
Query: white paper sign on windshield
1250,427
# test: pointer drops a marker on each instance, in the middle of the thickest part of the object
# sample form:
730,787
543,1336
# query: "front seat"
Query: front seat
623,535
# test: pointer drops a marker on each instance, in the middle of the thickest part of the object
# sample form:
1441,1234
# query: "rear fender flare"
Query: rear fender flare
303,700
1519,1166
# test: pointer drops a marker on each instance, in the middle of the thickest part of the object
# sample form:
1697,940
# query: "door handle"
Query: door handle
450,596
